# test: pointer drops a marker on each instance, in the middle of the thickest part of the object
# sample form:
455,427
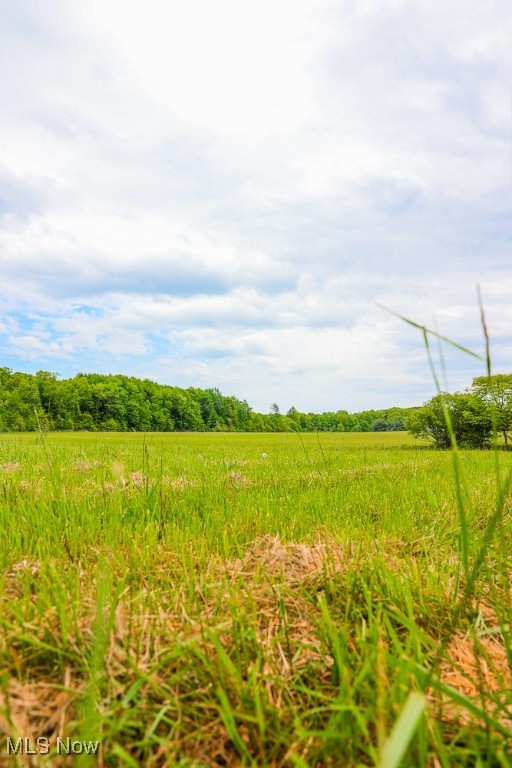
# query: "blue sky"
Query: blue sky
220,194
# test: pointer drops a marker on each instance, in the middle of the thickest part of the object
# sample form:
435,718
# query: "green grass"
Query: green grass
255,599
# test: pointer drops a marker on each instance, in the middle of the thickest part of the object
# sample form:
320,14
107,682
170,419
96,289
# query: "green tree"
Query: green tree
495,395
471,424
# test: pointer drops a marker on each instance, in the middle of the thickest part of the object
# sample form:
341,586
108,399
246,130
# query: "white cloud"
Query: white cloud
229,190
236,68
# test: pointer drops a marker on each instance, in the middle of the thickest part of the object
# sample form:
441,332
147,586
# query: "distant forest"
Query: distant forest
95,402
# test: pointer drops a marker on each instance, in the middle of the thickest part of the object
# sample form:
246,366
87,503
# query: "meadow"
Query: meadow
254,599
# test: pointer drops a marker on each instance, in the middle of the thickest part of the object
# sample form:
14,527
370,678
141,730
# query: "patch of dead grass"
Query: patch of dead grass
266,586
478,669
37,709
271,557
11,466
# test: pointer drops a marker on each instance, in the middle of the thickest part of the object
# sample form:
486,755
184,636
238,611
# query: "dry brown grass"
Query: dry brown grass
292,562
47,707
477,667
11,466
272,583
33,709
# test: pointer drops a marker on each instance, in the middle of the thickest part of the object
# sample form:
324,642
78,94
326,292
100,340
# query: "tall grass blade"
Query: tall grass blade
396,745
457,467
424,329
485,332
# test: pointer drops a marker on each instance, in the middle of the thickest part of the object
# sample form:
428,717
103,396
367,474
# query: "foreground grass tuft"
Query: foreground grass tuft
227,600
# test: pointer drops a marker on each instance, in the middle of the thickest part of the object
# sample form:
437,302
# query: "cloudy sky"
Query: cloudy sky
219,194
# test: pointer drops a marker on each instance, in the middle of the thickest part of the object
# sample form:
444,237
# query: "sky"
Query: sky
227,194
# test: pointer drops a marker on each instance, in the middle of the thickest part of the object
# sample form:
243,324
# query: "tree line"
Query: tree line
97,402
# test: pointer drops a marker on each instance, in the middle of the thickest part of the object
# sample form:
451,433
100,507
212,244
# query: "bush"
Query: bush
471,421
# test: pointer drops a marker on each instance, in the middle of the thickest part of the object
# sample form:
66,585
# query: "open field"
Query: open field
252,599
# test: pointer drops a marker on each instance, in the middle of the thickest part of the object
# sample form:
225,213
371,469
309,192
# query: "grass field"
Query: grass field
254,599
